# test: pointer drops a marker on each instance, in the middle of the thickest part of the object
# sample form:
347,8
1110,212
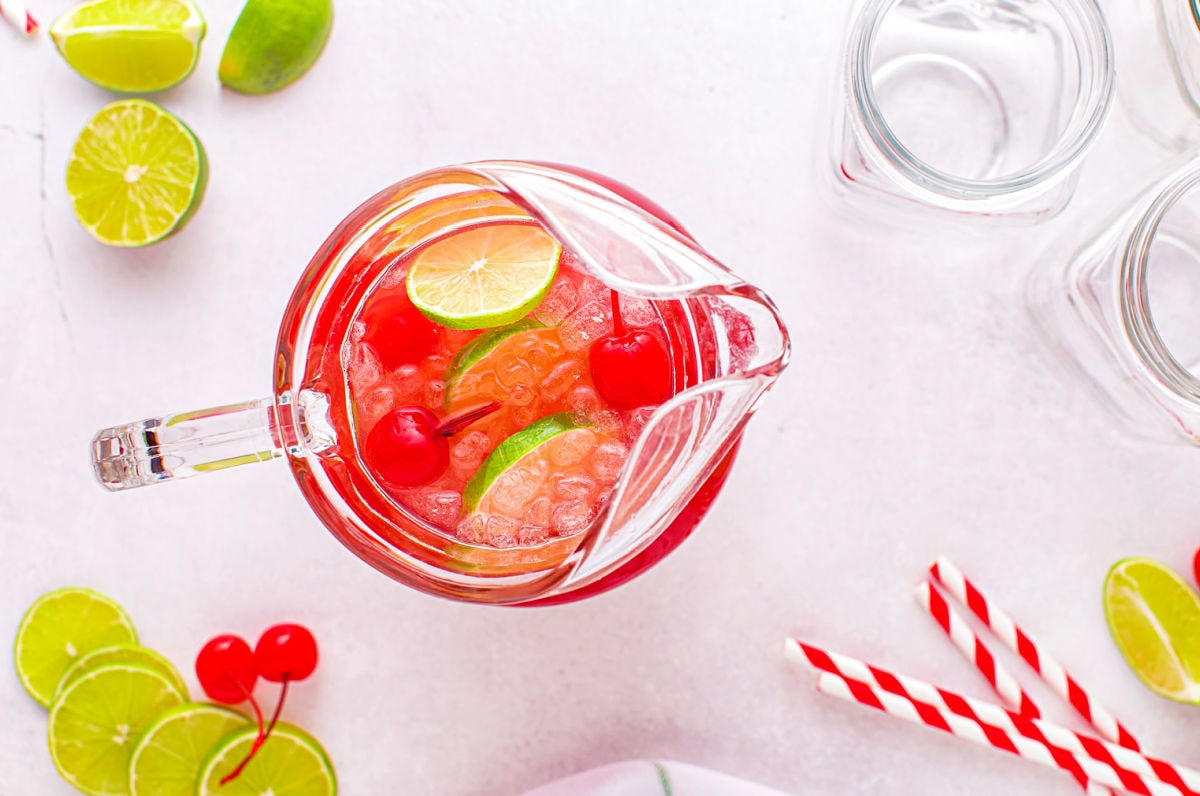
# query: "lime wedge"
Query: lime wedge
526,455
135,46
273,43
290,762
167,757
479,349
61,627
1154,618
121,653
136,174
485,276
96,720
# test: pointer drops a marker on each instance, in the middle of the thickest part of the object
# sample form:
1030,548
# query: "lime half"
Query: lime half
136,174
289,763
273,43
522,461
167,757
121,653
1154,618
59,629
134,46
96,720
483,277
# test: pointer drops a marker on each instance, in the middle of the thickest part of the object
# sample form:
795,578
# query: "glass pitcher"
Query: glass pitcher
727,345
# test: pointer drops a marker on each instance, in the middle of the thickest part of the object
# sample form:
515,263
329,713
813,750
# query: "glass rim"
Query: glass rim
1136,314
1093,48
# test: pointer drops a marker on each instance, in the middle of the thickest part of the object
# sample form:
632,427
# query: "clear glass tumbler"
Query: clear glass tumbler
984,107
1125,309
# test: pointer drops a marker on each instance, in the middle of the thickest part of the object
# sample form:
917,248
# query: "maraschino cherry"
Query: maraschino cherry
630,368
398,331
409,446
228,671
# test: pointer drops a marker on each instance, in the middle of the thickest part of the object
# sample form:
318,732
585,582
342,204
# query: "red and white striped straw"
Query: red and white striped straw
973,649
983,722
14,11
1051,672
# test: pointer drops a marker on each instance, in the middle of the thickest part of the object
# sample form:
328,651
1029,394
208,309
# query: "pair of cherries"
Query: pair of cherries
228,670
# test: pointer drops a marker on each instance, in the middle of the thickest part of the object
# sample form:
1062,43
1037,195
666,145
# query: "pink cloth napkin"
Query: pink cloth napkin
651,778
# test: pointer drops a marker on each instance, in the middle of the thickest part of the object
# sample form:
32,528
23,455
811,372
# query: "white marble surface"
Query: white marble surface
918,417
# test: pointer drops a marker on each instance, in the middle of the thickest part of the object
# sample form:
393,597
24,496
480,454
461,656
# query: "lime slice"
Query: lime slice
519,456
121,653
1154,618
483,277
167,757
273,43
134,46
96,720
136,174
61,627
478,349
290,762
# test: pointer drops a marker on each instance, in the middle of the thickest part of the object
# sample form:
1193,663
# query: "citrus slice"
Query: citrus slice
273,43
61,627
167,757
136,174
289,762
479,349
1154,618
522,462
121,653
483,277
96,720
134,46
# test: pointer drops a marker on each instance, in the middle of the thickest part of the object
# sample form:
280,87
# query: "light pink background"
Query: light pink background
918,417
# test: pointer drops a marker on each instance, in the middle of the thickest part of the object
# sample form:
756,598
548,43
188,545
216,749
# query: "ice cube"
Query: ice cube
357,330
607,460
364,369
570,518
586,325
407,380
472,529
377,403
574,487
439,506
607,422
394,278
558,304
502,531
530,535
521,395
471,447
592,289
584,400
513,370
637,421
515,488
637,311
539,512
573,447
435,393
739,329
561,378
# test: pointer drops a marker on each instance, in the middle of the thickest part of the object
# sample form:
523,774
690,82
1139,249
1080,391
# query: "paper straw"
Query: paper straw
14,11
1106,763
1051,672
1002,682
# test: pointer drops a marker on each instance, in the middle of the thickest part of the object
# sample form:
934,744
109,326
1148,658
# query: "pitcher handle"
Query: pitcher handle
182,445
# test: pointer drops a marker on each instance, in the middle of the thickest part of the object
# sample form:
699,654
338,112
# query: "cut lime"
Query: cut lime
518,454
96,720
478,349
136,174
1154,618
273,43
121,653
134,46
290,762
60,628
483,277
167,757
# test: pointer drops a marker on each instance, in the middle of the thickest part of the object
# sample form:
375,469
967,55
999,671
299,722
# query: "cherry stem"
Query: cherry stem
618,325
263,734
456,423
